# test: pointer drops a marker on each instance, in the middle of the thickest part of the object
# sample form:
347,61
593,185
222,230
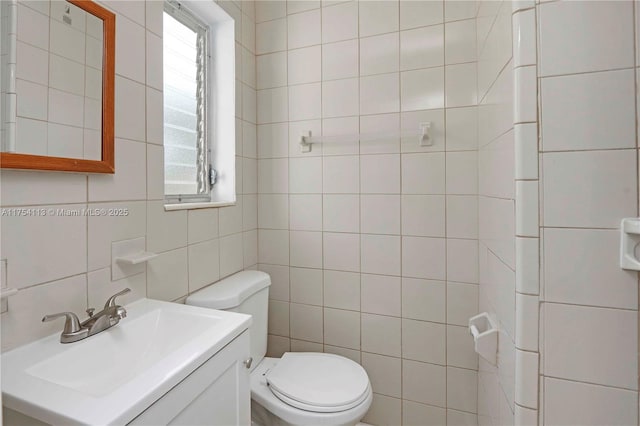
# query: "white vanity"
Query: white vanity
165,363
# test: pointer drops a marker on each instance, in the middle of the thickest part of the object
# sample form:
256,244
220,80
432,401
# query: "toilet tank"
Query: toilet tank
246,292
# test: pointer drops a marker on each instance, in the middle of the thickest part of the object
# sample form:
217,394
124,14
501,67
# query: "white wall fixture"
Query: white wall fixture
629,240
128,257
485,337
422,134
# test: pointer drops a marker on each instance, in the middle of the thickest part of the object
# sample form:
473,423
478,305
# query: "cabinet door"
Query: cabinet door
217,393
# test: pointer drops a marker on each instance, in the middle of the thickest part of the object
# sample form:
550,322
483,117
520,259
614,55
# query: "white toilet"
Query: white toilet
303,388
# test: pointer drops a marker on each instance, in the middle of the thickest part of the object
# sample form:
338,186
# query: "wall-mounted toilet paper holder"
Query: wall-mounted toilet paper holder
485,337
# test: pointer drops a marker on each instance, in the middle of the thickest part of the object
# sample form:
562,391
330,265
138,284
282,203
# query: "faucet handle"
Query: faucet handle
71,325
112,300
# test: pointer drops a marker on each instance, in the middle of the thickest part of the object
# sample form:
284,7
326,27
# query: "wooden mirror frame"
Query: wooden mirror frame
9,160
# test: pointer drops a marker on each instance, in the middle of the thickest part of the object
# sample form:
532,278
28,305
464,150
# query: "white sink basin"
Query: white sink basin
113,376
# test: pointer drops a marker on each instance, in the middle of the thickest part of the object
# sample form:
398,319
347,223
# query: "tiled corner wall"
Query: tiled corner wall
497,207
62,263
372,246
587,71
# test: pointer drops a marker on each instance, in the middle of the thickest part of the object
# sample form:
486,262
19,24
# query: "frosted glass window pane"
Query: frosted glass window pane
180,107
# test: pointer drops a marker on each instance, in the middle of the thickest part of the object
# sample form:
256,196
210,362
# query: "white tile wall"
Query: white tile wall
74,252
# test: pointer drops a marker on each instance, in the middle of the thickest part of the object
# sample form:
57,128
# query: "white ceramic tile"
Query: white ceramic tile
462,172
273,140
384,410
273,176
526,151
305,212
204,267
385,374
421,47
250,104
248,179
302,346
607,337
167,275
303,29
271,70
273,211
33,27
341,174
249,140
525,416
460,348
279,288
461,85
581,267
527,379
278,321
65,141
424,341
525,96
340,60
378,17
341,290
574,105
460,41
462,303
380,214
423,215
100,287
68,42
165,230
588,30
271,36
342,328
527,265
129,183
567,402
202,225
338,127
457,10
379,54
277,345
461,389
305,102
32,63
524,38
304,65
301,6
20,188
129,109
306,286
462,260
307,322
270,10
423,300
352,354
422,89
341,252
380,174
412,122
419,14
300,128
130,50
305,175
380,254
527,310
341,213
380,94
340,22
273,246
381,334
423,257
58,241
574,182
31,100
340,98
381,294
31,136
423,173
22,323
527,208
305,249
424,383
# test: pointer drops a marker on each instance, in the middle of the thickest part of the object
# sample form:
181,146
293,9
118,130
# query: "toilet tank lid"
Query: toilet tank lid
231,291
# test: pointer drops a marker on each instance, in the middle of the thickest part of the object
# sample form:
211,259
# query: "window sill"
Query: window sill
193,206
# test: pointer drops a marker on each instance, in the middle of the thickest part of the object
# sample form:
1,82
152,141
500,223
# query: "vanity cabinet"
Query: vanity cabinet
216,393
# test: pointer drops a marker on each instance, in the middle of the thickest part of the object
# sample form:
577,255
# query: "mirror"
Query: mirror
57,86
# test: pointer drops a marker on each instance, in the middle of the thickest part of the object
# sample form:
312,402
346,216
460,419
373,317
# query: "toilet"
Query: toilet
301,388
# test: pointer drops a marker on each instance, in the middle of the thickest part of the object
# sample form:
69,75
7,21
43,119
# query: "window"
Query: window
199,98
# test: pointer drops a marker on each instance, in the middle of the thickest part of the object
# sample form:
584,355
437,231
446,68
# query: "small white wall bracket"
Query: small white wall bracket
629,240
425,137
128,258
304,145
485,337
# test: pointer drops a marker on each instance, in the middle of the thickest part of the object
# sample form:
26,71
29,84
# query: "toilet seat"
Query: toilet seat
318,382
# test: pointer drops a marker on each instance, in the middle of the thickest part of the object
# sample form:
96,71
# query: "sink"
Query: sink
125,368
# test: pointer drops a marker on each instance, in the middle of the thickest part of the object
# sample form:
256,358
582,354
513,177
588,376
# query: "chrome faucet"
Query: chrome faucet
75,330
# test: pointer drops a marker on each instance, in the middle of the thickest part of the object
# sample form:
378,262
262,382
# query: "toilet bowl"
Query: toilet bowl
301,388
